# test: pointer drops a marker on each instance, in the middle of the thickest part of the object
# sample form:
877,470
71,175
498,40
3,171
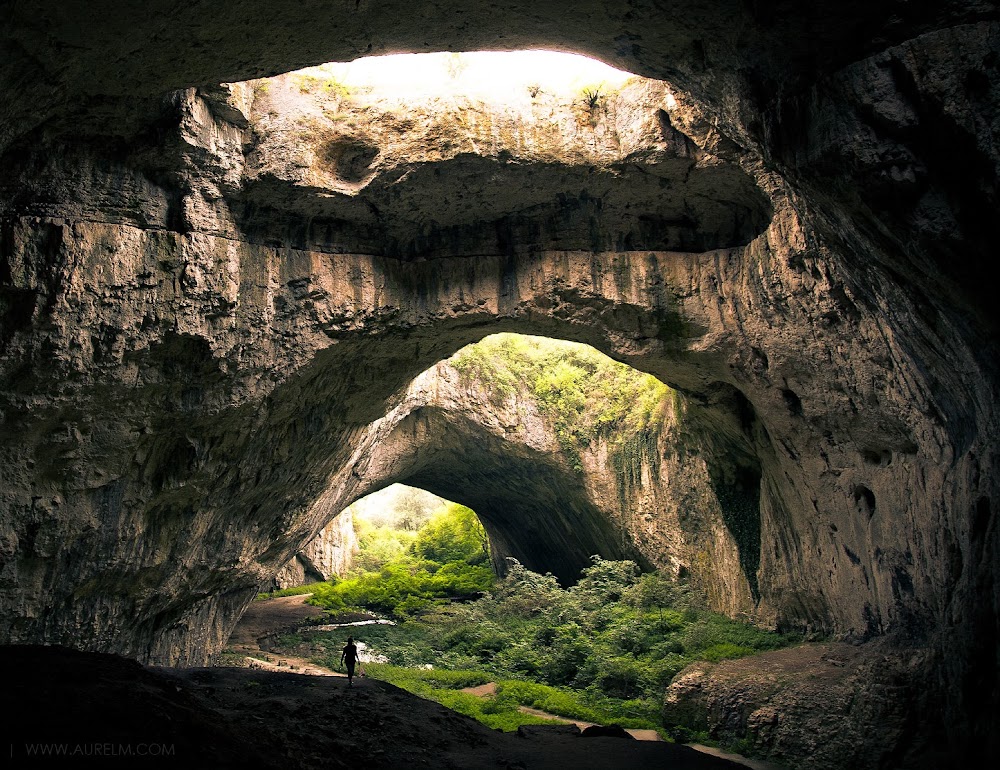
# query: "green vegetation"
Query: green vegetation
615,635
587,395
501,710
593,99
497,712
293,591
386,523
324,84
403,572
601,651
591,96
380,546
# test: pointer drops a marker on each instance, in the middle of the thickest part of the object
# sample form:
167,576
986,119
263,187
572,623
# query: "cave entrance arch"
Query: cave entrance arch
565,454
388,524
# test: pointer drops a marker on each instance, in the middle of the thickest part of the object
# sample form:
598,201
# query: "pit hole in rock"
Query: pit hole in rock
864,500
792,401
881,458
349,160
982,515
517,427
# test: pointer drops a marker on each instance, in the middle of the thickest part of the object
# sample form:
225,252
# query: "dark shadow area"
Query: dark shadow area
532,510
738,491
66,707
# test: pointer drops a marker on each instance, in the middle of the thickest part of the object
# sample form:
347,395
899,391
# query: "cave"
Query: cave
214,321
648,493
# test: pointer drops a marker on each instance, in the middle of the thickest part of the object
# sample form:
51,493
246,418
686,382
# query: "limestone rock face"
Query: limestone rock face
523,172
327,555
814,707
191,374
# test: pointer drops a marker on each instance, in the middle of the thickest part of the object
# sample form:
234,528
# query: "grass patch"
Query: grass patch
502,710
445,687
293,591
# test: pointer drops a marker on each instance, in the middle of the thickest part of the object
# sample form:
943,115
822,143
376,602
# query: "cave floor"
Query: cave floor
67,705
90,705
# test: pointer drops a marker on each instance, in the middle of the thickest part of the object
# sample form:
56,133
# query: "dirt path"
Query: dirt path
639,735
273,616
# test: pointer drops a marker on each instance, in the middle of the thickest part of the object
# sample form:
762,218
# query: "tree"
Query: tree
454,533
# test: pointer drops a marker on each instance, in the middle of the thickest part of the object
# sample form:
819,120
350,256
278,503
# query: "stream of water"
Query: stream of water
364,654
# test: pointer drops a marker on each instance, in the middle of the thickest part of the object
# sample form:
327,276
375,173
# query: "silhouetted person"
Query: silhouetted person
349,657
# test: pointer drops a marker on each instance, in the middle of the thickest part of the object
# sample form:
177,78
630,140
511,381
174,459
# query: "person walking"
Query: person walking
349,657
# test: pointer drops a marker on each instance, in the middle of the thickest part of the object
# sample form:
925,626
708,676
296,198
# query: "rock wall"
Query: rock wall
327,555
183,406
183,433
452,436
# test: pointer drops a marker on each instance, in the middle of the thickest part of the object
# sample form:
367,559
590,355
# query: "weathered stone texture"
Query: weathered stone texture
813,707
186,399
327,555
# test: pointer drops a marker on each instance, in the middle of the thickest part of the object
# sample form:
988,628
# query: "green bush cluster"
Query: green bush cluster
379,546
447,558
325,85
586,394
610,644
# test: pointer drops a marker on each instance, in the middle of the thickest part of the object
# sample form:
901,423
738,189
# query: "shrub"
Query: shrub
724,651
605,581
620,678
559,649
454,534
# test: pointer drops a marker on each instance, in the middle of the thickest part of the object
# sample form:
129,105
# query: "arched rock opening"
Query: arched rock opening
648,492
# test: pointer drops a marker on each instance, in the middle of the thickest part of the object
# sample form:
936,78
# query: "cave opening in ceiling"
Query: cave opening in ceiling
416,156
510,77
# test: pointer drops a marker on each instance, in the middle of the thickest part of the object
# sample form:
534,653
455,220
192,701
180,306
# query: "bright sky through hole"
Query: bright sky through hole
486,75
